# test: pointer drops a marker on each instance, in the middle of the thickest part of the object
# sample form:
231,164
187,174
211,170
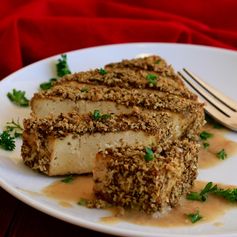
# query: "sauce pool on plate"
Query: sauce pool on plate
208,156
81,187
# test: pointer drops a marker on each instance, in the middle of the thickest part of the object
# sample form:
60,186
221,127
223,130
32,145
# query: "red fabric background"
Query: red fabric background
34,29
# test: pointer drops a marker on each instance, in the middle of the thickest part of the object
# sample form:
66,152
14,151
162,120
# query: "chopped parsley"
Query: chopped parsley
62,69
158,61
204,135
97,115
217,125
67,179
47,85
7,142
62,66
84,89
18,98
206,145
194,217
202,196
102,71
210,188
152,79
221,154
14,128
149,154
228,194
82,202
213,122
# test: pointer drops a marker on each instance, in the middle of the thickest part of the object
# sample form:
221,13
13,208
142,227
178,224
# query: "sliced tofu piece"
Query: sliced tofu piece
116,100
69,143
149,65
128,78
125,177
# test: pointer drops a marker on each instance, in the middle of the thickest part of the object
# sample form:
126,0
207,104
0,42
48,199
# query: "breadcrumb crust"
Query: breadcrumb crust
129,181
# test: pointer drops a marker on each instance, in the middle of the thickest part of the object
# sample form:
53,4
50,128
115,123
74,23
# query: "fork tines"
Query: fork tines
219,106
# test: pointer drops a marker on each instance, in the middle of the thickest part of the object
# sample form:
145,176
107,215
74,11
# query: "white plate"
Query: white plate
216,66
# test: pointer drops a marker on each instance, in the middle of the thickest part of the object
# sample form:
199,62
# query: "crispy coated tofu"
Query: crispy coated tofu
68,143
140,82
126,177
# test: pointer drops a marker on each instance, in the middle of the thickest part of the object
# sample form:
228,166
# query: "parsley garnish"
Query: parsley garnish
47,85
202,196
82,202
221,154
214,123
194,217
7,142
62,66
102,71
67,179
158,61
18,98
84,89
228,194
97,115
205,135
152,79
62,70
206,145
14,128
149,154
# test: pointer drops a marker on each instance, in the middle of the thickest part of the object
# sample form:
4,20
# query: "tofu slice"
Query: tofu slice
68,143
116,100
123,177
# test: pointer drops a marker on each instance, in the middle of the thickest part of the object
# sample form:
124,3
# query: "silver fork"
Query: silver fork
217,105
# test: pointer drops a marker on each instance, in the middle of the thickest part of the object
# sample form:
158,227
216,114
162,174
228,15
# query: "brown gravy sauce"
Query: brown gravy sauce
211,209
207,157
69,194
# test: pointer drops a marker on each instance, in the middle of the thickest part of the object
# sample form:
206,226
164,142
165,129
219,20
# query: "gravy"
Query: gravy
207,156
68,194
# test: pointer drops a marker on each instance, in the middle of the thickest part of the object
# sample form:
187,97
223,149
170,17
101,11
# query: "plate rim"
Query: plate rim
108,229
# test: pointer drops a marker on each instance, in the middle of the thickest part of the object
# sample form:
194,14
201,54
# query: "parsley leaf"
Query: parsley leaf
221,154
102,71
62,66
194,217
97,115
62,69
67,179
7,142
14,128
214,123
47,85
149,154
206,145
228,194
202,196
152,79
84,89
82,202
205,135
18,98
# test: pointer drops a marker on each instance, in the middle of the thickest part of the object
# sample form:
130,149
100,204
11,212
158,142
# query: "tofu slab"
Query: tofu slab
68,143
124,177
